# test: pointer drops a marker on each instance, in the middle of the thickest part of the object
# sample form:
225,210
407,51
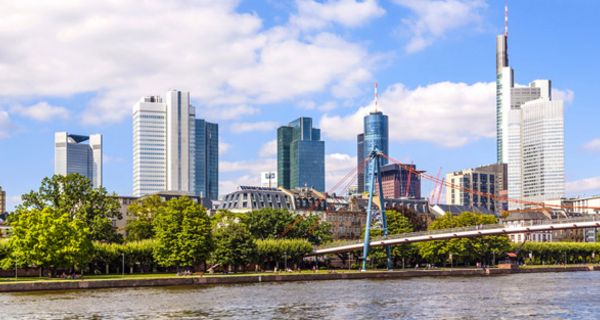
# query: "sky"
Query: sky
252,66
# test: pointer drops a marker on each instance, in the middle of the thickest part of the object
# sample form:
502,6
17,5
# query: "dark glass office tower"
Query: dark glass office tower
206,177
376,136
300,156
360,160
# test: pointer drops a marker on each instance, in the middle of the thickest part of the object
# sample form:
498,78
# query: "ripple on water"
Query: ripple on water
532,296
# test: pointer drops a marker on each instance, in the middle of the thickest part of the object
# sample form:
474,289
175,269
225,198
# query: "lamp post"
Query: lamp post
285,261
122,264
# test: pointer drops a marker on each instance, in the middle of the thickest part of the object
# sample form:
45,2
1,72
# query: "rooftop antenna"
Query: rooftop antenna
376,97
506,19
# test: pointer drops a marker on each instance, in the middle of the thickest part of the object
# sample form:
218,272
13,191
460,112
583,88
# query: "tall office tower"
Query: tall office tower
398,182
513,130
73,155
300,155
268,179
360,163
164,144
206,159
375,137
2,201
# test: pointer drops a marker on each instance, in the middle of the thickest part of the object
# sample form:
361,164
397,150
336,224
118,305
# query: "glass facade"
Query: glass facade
376,136
360,159
206,163
300,156
73,155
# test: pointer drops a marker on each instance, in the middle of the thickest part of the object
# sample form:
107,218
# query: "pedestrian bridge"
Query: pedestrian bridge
591,221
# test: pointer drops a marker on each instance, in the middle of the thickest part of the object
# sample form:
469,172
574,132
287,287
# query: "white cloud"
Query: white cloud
593,145
221,56
337,166
255,166
244,127
445,113
269,149
4,124
565,95
228,186
42,111
12,201
226,113
347,13
588,185
109,160
224,147
435,18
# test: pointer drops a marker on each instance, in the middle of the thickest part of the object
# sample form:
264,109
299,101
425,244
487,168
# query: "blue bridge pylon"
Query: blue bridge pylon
375,164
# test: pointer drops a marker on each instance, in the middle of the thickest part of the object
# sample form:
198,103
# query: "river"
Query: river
569,295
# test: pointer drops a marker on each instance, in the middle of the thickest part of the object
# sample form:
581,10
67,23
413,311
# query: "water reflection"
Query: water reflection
534,296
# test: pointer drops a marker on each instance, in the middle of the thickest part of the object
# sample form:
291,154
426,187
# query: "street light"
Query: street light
123,264
285,262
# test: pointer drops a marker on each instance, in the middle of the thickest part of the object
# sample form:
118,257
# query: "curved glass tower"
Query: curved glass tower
375,137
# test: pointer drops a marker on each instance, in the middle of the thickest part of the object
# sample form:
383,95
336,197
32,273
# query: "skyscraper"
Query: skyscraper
360,163
529,133
375,138
207,159
165,143
73,155
300,155
2,201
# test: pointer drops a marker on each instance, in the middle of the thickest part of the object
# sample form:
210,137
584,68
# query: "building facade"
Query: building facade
360,163
249,198
206,172
268,179
165,143
376,135
480,187
300,156
399,182
2,201
73,155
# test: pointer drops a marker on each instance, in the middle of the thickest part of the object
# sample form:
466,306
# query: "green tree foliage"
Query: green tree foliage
464,251
234,245
279,224
397,223
48,238
74,195
182,232
142,213
272,251
559,252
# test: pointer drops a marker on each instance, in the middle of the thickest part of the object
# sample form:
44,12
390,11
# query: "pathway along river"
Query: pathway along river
570,295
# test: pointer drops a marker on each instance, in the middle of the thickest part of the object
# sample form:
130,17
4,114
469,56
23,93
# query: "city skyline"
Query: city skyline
412,66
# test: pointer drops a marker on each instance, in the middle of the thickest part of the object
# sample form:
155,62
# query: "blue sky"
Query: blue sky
254,65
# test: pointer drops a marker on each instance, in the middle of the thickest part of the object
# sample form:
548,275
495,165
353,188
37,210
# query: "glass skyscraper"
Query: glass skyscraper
206,138
300,156
376,136
73,155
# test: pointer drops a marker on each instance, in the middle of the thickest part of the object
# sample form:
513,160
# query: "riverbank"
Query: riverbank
154,280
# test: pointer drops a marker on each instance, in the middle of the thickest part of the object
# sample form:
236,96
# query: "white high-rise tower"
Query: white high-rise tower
530,133
163,144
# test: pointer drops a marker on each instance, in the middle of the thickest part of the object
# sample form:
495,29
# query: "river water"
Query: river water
569,295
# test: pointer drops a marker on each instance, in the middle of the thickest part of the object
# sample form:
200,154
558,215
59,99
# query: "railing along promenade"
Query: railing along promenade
590,221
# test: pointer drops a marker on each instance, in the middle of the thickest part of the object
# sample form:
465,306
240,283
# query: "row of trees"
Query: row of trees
67,224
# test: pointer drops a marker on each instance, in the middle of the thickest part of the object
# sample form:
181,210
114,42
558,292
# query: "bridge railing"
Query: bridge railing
341,243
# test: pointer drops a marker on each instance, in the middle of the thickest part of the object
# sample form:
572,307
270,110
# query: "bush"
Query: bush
273,251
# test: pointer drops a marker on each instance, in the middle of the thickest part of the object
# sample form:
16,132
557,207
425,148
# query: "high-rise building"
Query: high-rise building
300,155
207,159
165,143
360,163
480,187
73,155
396,179
268,179
2,201
529,133
375,138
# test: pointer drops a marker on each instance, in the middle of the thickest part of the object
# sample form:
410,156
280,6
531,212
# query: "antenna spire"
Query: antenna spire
506,19
376,97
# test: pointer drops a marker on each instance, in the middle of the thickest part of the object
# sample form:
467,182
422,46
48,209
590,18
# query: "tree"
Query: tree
269,223
139,226
75,196
234,245
48,238
182,232
463,250
397,223
312,229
